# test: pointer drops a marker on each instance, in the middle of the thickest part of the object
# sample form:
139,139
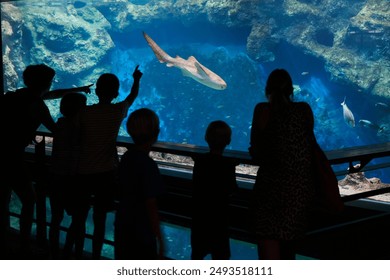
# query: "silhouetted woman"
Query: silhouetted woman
281,141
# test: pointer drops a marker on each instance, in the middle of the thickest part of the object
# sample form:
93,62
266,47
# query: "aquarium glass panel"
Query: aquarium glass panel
205,60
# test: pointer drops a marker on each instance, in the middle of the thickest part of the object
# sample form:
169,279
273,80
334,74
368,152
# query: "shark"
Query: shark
189,67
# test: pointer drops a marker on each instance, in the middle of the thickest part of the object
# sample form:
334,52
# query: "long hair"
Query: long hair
279,90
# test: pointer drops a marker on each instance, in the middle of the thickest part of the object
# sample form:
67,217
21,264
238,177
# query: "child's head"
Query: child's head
107,86
38,77
71,104
143,125
218,135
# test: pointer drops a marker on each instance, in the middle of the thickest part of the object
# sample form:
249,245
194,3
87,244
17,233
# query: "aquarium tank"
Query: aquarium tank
206,60
337,53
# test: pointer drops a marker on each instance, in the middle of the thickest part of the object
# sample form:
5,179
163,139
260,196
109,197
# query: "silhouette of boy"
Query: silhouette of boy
137,226
99,124
214,179
64,164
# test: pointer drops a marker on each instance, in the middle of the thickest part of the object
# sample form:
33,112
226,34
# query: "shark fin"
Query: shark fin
192,59
200,69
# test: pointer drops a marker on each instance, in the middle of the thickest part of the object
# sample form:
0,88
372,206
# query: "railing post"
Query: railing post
40,188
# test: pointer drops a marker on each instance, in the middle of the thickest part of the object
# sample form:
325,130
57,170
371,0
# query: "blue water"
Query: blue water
182,103
188,107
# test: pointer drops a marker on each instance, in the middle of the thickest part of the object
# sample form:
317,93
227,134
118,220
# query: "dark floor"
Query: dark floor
39,249
357,234
368,240
13,251
360,234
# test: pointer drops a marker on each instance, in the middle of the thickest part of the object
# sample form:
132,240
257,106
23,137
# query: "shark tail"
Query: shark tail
161,55
343,103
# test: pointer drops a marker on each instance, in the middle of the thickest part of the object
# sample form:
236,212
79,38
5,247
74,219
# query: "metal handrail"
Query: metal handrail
363,154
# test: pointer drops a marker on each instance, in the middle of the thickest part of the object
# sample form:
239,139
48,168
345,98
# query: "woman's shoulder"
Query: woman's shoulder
262,105
304,109
304,106
301,104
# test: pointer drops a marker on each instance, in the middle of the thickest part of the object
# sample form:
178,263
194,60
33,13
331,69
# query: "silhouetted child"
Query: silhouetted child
99,160
64,164
22,112
214,180
137,226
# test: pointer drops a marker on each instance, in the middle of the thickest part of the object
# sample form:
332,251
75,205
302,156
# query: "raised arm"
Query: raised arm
59,93
137,74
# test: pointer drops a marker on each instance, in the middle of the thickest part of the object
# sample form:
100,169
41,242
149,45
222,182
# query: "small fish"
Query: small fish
369,124
347,113
304,73
376,31
383,106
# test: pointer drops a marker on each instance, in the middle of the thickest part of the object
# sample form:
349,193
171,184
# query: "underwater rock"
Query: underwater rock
373,28
370,71
324,37
358,182
126,16
74,40
259,45
233,13
13,50
71,40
